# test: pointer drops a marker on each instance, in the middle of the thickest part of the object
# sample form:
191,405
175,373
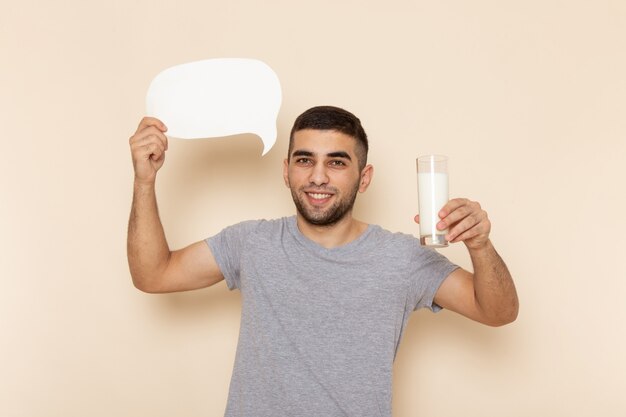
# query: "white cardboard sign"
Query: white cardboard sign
217,98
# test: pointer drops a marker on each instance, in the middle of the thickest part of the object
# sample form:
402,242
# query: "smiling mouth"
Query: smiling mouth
319,196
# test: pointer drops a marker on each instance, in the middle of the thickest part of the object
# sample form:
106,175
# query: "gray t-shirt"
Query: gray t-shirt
320,327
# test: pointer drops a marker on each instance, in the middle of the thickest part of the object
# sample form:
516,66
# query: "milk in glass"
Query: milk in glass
433,195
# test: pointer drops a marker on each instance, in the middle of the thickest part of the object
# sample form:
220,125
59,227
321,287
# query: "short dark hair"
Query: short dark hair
333,118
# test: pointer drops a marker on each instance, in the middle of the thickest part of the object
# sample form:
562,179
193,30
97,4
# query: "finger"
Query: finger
452,205
161,136
467,234
466,224
139,142
155,151
149,149
481,228
147,133
456,216
151,121
158,157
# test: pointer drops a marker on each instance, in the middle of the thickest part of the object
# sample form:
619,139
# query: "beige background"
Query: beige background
526,97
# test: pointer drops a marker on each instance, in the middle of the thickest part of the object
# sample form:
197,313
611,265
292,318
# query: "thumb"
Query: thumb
417,218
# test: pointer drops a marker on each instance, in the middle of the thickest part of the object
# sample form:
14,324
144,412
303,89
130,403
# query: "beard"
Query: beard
329,216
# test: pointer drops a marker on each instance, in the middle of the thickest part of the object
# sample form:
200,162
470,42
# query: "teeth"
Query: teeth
319,196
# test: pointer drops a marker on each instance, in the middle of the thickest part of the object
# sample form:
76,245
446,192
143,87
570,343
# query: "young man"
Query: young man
326,297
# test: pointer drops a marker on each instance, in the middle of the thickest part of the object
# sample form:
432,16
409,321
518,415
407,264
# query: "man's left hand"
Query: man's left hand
466,222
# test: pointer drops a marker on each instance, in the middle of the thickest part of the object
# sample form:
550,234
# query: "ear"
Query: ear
286,172
366,178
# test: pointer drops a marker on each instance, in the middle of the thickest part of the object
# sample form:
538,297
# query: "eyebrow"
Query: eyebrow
337,154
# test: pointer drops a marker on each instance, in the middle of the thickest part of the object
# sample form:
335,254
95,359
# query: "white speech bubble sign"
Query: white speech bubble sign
217,98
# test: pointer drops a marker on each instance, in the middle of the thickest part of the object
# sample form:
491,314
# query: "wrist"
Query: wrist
143,184
480,248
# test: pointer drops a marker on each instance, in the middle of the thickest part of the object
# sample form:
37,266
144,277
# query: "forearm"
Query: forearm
147,248
493,285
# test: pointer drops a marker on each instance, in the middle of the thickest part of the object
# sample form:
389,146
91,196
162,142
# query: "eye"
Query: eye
337,163
303,161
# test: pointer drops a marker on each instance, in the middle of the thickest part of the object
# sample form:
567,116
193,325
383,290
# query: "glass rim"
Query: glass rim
432,157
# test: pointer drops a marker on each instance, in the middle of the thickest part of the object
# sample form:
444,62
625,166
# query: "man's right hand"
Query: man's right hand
153,267
148,146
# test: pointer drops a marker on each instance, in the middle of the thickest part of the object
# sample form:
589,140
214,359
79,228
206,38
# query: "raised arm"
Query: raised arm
488,295
153,267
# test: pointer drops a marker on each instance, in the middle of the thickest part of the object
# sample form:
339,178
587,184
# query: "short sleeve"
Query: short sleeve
431,269
227,248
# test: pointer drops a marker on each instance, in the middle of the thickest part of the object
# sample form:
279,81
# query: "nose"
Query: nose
319,175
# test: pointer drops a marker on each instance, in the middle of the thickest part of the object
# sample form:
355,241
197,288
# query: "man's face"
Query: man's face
323,175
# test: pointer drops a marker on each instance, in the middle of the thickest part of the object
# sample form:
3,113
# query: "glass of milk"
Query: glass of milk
432,191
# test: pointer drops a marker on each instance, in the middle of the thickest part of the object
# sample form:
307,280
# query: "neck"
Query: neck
331,236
